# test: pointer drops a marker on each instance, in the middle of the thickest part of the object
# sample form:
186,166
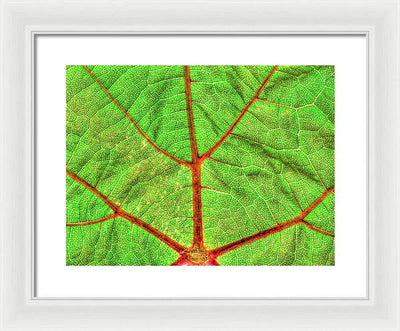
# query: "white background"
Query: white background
348,278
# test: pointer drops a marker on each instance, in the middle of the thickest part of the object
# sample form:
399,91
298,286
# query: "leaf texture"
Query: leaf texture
200,165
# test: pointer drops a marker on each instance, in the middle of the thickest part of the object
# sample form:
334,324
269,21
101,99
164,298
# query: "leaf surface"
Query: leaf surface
205,165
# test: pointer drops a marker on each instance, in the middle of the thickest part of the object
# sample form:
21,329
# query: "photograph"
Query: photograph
200,165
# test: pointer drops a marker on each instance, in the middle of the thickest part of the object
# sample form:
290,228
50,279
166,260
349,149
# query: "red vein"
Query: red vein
299,219
197,207
195,166
100,220
236,122
189,112
212,262
314,228
129,117
180,261
129,217
94,190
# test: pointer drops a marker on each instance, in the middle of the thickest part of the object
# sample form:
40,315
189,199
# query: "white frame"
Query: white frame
22,20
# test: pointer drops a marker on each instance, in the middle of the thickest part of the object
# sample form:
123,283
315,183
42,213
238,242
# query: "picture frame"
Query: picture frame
23,21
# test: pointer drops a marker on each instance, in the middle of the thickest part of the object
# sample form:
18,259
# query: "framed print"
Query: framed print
240,170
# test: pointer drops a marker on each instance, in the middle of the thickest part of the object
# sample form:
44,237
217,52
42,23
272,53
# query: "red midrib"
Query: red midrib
195,167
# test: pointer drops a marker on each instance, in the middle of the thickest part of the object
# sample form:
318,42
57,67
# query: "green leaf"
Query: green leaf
203,165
